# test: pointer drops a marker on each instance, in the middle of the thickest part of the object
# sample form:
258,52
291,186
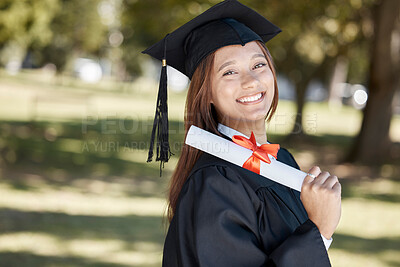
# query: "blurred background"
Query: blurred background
77,101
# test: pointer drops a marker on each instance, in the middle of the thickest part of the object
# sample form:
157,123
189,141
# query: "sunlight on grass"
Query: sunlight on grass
106,251
375,257
376,218
378,187
139,156
368,232
22,102
76,203
40,244
322,120
70,145
342,258
317,119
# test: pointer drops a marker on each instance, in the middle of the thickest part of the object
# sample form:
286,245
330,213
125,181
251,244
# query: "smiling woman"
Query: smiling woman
244,88
221,214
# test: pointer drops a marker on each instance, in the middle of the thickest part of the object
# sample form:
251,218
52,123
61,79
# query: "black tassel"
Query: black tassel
160,123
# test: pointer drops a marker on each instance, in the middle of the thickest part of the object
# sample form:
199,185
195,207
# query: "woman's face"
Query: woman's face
242,83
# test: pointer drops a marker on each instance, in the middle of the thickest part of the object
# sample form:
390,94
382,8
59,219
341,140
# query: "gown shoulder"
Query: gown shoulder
229,216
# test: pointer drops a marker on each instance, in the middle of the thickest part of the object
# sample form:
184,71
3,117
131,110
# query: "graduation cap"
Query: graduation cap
226,23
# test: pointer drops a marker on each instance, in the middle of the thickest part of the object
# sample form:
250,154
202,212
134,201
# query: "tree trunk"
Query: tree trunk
301,89
373,141
339,76
297,129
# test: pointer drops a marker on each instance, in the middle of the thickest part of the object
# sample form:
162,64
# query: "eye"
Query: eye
259,65
229,72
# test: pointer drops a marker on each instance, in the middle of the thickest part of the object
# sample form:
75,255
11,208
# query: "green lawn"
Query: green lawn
75,189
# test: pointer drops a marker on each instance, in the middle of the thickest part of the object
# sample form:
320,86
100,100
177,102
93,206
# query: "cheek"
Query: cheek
271,90
270,95
270,84
220,93
222,99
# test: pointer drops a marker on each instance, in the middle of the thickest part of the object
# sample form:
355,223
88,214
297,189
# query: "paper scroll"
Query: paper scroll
231,152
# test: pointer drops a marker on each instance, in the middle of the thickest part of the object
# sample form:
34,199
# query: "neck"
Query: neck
246,127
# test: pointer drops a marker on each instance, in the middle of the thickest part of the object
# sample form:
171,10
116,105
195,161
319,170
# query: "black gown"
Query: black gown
229,216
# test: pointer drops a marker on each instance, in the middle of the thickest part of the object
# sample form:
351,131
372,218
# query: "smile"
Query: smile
251,99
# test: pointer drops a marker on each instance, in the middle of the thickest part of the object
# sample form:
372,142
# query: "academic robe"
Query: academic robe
229,216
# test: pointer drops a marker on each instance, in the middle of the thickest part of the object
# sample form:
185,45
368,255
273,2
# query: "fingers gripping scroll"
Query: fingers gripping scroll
321,197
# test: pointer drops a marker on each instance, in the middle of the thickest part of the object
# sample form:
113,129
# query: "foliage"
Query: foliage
77,31
316,30
52,30
146,22
27,22
24,24
312,30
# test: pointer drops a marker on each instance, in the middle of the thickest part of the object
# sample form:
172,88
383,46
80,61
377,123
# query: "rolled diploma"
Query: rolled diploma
236,154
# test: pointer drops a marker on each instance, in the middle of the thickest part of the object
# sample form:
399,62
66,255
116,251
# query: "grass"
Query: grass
75,189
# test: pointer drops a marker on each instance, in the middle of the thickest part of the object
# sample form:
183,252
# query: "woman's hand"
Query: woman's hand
321,197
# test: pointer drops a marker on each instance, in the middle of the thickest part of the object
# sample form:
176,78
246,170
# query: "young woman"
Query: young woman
222,214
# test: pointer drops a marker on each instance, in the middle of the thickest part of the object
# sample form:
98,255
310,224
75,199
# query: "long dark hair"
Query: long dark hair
200,112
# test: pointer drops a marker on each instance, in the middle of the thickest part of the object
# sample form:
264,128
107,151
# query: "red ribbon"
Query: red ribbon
259,152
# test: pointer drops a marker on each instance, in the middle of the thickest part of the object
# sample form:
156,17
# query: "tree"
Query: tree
52,31
314,34
372,145
24,24
143,24
78,30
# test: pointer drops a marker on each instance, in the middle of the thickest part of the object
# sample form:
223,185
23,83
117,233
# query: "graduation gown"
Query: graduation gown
229,216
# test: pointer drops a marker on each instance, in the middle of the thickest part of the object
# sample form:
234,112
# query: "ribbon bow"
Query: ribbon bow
259,152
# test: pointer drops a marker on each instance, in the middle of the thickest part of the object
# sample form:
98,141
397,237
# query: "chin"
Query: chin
256,119
253,118
256,116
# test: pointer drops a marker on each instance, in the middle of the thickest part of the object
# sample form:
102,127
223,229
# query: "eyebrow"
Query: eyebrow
226,64
234,61
258,55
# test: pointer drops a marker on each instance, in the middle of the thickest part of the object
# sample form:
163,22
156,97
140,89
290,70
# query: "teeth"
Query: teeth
250,99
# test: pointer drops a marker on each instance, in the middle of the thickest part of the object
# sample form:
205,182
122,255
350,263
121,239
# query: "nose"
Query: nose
249,80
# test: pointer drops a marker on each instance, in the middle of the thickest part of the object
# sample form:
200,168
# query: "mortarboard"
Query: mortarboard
226,23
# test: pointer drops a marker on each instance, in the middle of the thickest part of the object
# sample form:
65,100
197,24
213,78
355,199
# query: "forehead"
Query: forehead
232,52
